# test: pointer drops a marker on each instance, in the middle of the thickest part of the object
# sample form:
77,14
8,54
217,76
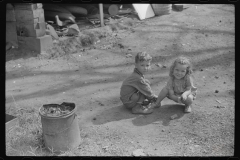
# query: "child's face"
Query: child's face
180,71
143,67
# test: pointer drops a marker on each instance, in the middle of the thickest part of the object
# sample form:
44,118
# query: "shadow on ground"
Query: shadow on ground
162,115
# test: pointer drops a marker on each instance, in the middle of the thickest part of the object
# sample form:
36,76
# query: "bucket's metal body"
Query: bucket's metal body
61,133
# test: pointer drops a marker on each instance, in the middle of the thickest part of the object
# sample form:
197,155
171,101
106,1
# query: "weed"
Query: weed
129,23
113,27
27,133
86,40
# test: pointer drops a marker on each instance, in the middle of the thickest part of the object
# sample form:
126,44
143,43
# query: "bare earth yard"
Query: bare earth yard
92,78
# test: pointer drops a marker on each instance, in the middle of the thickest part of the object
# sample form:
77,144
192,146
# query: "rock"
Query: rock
216,91
164,66
94,118
101,104
120,45
218,101
219,106
174,116
216,77
201,69
138,152
128,55
73,29
158,65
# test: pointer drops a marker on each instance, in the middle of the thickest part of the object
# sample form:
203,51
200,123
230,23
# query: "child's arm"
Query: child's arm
172,96
188,89
144,87
185,94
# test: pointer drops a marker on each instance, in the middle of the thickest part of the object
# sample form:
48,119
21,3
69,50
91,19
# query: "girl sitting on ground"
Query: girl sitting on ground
180,86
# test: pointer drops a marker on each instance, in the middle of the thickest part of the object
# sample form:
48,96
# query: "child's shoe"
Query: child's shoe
155,105
139,109
188,109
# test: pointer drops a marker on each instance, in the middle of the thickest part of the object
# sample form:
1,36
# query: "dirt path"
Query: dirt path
92,79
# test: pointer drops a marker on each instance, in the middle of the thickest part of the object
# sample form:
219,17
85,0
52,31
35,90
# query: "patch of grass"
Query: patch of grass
64,47
86,40
113,27
122,26
129,22
26,138
99,34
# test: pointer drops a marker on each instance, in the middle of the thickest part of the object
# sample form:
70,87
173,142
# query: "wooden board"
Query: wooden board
144,11
52,31
10,121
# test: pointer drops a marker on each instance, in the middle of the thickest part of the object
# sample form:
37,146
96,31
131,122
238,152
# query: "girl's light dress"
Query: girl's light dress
179,86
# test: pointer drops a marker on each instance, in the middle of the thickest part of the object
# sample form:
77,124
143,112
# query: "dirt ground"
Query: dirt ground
91,78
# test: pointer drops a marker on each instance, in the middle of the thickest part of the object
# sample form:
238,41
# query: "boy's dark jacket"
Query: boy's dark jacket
134,83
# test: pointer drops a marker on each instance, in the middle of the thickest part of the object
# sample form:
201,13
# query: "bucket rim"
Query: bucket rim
59,116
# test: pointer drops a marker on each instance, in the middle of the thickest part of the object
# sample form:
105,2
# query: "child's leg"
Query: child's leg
138,108
135,104
174,98
161,96
188,103
135,98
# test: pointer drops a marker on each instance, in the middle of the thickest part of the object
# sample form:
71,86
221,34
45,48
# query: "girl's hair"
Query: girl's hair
142,56
181,60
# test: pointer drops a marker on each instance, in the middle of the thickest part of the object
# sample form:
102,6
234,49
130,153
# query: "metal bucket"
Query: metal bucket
61,133
162,9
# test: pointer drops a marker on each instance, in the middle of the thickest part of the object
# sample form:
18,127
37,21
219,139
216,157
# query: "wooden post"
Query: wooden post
101,14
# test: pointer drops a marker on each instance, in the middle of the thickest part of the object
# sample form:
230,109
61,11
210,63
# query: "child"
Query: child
180,84
136,92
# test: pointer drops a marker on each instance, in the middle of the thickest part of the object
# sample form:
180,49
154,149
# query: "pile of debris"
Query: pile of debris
55,110
64,20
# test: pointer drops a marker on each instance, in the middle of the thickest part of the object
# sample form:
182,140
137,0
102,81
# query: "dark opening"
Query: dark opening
8,118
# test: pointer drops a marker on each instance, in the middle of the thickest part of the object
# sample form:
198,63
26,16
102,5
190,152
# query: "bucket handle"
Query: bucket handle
53,134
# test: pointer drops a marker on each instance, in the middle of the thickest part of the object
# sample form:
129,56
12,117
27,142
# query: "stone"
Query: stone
158,65
37,44
138,152
174,116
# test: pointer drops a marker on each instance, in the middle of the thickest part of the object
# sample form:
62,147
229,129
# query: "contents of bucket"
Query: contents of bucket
54,110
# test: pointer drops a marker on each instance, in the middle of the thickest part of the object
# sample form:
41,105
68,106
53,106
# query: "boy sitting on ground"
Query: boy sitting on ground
136,93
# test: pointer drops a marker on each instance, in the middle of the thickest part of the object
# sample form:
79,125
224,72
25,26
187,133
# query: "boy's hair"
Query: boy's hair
181,60
142,56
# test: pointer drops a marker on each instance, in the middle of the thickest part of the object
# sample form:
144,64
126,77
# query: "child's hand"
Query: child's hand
155,96
184,97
